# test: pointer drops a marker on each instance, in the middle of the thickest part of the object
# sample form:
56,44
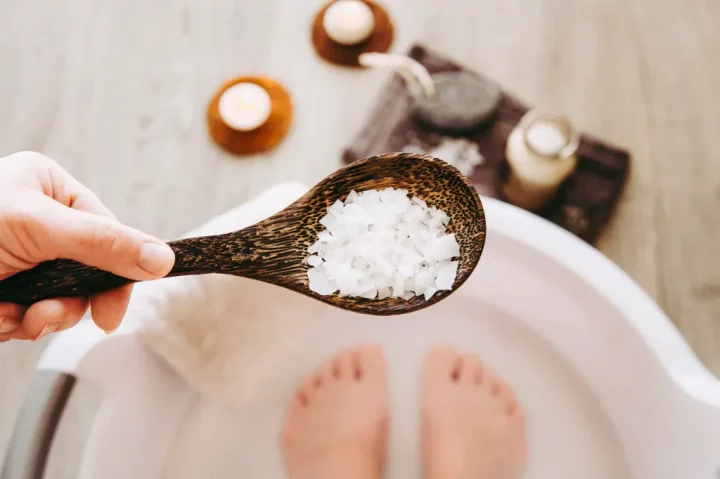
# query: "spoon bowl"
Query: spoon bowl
275,249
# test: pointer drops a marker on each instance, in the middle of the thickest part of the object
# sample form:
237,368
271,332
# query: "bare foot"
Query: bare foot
337,423
471,424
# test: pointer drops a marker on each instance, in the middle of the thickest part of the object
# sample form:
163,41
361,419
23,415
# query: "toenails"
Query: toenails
337,426
472,424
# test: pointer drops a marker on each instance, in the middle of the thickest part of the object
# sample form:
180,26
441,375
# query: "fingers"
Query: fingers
10,322
61,232
73,194
40,319
9,314
18,334
52,315
45,175
53,181
51,216
109,308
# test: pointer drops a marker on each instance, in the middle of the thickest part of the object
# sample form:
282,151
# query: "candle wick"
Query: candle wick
415,74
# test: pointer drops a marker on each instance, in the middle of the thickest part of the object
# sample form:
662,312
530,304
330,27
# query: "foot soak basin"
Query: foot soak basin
609,387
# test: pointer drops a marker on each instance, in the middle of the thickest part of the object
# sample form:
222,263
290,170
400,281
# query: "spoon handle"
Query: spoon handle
67,279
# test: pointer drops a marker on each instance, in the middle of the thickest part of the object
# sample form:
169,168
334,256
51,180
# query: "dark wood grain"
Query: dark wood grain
275,250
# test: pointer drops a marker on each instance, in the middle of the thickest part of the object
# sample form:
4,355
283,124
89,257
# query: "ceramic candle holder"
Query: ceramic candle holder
380,40
257,140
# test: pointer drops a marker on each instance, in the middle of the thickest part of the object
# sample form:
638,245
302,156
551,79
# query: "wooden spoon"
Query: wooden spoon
274,250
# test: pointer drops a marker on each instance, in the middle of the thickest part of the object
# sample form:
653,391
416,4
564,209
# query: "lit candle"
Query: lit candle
245,106
349,22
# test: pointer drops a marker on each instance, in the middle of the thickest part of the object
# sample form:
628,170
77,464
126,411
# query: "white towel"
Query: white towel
228,336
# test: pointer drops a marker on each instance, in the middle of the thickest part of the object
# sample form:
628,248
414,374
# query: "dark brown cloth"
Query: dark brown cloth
584,202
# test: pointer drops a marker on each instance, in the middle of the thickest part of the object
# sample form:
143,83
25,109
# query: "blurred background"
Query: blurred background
116,92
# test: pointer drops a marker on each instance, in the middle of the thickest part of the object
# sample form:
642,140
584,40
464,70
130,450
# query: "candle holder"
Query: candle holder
380,39
262,138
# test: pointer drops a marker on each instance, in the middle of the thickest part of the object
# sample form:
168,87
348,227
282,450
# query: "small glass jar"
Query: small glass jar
542,153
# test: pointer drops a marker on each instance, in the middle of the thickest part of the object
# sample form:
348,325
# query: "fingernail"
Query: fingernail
48,329
7,325
156,259
110,331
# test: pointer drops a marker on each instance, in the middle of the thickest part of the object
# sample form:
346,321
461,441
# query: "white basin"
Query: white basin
610,388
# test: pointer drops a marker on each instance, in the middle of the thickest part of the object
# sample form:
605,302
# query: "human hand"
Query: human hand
47,214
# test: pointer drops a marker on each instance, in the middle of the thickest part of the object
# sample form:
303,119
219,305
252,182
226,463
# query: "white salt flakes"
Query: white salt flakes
446,275
380,244
319,281
442,248
314,260
429,291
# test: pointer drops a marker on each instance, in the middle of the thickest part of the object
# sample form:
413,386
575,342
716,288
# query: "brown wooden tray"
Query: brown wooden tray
584,202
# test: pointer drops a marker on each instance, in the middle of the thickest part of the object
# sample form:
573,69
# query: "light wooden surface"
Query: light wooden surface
116,91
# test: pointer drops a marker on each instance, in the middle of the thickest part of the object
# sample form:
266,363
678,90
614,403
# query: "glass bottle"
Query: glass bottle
542,153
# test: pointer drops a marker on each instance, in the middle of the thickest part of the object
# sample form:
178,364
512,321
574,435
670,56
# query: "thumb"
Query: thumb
102,242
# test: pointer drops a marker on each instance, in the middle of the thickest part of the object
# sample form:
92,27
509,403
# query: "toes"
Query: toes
479,375
342,365
495,387
511,403
516,412
307,388
301,398
358,363
356,368
369,362
354,364
335,367
512,408
503,392
471,370
466,369
501,389
457,368
442,362
328,373
305,392
317,380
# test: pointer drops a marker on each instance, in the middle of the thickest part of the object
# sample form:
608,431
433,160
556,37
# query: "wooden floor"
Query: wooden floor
116,91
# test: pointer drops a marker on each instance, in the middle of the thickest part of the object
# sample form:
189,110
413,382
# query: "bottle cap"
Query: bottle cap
556,123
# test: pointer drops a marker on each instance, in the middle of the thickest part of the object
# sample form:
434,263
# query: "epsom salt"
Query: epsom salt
380,244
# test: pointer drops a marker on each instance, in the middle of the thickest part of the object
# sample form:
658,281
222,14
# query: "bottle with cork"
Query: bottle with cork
541,153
